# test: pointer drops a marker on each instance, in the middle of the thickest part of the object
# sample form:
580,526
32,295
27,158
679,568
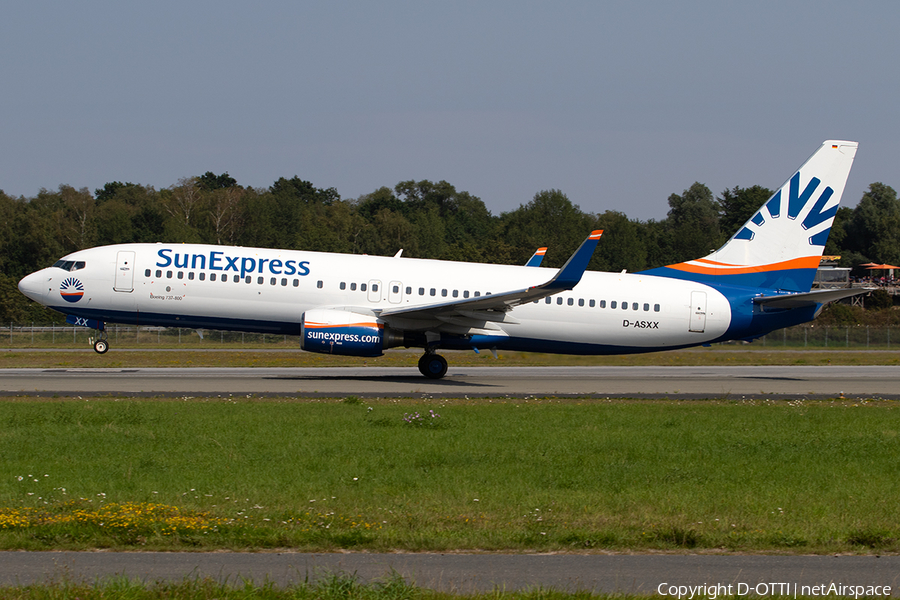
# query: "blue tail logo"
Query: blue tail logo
796,203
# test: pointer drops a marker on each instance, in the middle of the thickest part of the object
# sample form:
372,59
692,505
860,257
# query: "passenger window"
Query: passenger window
271,281
571,302
456,293
284,281
612,304
362,287
634,306
624,306
592,304
147,273
168,274
374,287
296,283
352,287
237,278
646,307
259,280
548,300
465,293
433,291
421,291
158,273
444,292
656,308
559,301
212,276
319,284
477,294
343,285
202,276
180,275
581,302
191,276
248,279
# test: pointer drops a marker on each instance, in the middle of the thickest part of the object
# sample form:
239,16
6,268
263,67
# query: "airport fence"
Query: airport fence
33,335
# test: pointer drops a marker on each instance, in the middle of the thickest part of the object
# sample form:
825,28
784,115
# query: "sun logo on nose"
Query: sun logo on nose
71,290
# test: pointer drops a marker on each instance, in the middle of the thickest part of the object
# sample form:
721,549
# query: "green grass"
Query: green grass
485,475
328,587
720,355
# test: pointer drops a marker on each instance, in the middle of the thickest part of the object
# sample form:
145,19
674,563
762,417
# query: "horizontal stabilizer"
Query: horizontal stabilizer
808,298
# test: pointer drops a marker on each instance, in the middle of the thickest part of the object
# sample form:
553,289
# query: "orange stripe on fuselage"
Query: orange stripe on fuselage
807,262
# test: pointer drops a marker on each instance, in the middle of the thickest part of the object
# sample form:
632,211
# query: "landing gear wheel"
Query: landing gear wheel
433,366
101,346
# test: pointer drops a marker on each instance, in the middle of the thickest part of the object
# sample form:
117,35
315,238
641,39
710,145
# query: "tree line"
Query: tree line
426,219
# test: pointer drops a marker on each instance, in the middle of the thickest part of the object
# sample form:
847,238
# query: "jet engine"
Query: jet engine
344,332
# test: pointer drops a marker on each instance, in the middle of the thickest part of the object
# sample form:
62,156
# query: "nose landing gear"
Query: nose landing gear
101,346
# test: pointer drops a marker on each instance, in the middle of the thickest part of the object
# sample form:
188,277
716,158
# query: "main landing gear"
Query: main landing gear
433,366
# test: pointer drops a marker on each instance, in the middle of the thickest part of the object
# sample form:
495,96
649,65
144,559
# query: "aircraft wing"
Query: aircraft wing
536,258
808,298
478,312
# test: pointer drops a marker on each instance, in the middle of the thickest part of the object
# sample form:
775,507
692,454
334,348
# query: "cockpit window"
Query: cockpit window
69,265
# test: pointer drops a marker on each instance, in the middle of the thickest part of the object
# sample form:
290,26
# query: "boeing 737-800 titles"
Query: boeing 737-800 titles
355,305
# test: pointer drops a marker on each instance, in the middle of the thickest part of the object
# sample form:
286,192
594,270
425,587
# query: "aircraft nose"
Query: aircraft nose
34,286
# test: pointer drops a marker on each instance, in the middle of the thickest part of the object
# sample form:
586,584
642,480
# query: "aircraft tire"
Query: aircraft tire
433,366
101,346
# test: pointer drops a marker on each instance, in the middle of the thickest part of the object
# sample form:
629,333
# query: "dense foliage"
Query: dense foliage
424,218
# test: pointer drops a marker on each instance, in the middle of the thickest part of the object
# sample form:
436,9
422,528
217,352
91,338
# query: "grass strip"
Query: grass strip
721,355
495,475
327,587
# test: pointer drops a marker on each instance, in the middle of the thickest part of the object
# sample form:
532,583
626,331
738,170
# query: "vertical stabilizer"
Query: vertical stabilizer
781,245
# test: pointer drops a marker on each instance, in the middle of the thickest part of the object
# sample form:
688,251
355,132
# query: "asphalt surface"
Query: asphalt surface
466,573
678,382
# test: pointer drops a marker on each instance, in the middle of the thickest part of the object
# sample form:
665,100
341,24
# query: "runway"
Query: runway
636,382
468,573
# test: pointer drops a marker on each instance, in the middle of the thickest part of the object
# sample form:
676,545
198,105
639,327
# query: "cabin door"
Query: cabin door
124,271
698,312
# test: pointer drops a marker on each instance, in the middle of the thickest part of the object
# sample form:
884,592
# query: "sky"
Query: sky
616,104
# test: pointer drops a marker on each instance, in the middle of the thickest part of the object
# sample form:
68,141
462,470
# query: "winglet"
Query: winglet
536,258
571,272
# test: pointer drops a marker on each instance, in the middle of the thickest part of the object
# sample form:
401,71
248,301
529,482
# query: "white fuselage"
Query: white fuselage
255,289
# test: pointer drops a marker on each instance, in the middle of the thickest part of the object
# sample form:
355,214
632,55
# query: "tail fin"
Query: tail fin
780,247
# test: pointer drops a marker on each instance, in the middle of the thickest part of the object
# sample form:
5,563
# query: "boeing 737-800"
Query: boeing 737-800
356,305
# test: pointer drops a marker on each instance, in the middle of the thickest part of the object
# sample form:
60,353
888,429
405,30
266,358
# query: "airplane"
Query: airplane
356,305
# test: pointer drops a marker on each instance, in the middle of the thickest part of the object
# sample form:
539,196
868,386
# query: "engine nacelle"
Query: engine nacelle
343,332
